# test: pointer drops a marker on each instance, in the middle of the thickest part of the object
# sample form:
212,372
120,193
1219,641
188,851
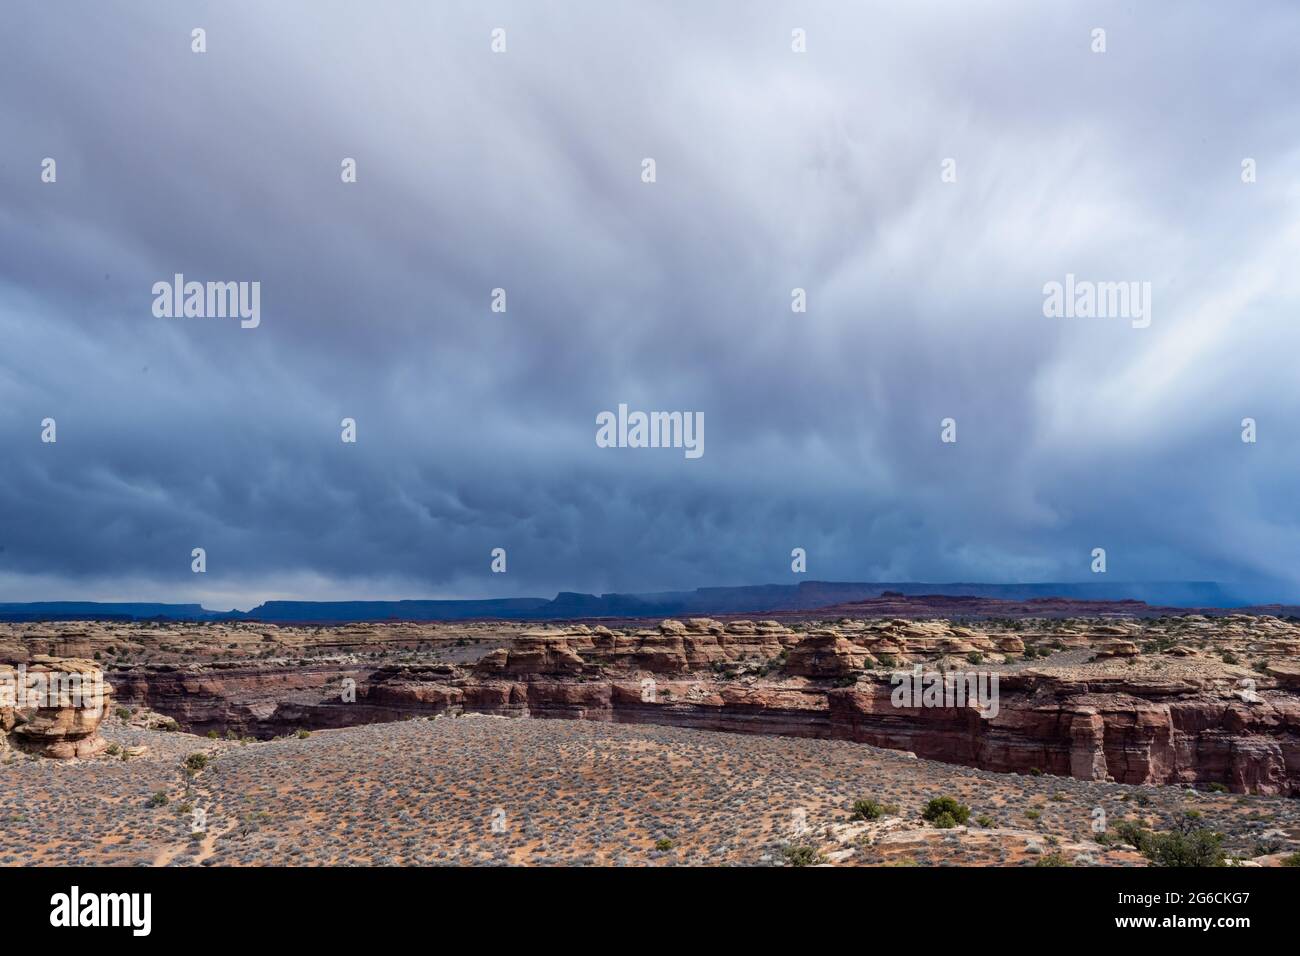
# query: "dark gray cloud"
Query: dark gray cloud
775,170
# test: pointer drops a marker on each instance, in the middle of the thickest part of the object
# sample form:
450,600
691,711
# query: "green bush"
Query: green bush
945,807
867,810
1198,848
159,799
1126,831
1190,848
1292,860
663,844
196,762
1055,858
802,855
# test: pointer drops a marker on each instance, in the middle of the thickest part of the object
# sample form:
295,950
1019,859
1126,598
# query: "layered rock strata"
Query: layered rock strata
1164,702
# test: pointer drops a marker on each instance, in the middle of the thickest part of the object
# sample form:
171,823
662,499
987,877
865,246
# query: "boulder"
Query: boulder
1116,648
1286,672
73,699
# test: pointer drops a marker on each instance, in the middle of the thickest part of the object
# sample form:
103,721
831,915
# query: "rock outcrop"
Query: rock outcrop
826,654
67,698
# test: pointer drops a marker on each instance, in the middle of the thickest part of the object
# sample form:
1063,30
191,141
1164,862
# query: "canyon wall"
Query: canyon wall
1131,729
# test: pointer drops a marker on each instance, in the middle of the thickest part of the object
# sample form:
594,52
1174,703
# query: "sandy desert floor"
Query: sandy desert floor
483,790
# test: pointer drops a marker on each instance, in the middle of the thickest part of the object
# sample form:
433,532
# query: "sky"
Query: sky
825,170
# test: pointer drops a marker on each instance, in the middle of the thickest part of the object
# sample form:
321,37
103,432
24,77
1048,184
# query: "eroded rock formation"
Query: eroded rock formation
53,707
1166,702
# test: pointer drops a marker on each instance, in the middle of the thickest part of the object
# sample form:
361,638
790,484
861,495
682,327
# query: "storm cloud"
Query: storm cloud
522,170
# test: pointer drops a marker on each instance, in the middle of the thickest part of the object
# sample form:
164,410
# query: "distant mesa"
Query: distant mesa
908,599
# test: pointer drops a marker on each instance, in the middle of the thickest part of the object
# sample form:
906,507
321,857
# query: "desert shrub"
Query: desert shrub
1127,831
1217,787
1033,814
802,855
1055,858
663,844
1292,860
304,734
196,762
941,807
984,820
867,810
1198,848
122,713
975,657
159,799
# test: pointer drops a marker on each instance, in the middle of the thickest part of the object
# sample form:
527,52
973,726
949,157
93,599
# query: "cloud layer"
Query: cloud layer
522,171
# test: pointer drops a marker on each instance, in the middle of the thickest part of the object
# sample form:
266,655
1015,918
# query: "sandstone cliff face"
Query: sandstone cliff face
257,699
1106,716
1136,734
